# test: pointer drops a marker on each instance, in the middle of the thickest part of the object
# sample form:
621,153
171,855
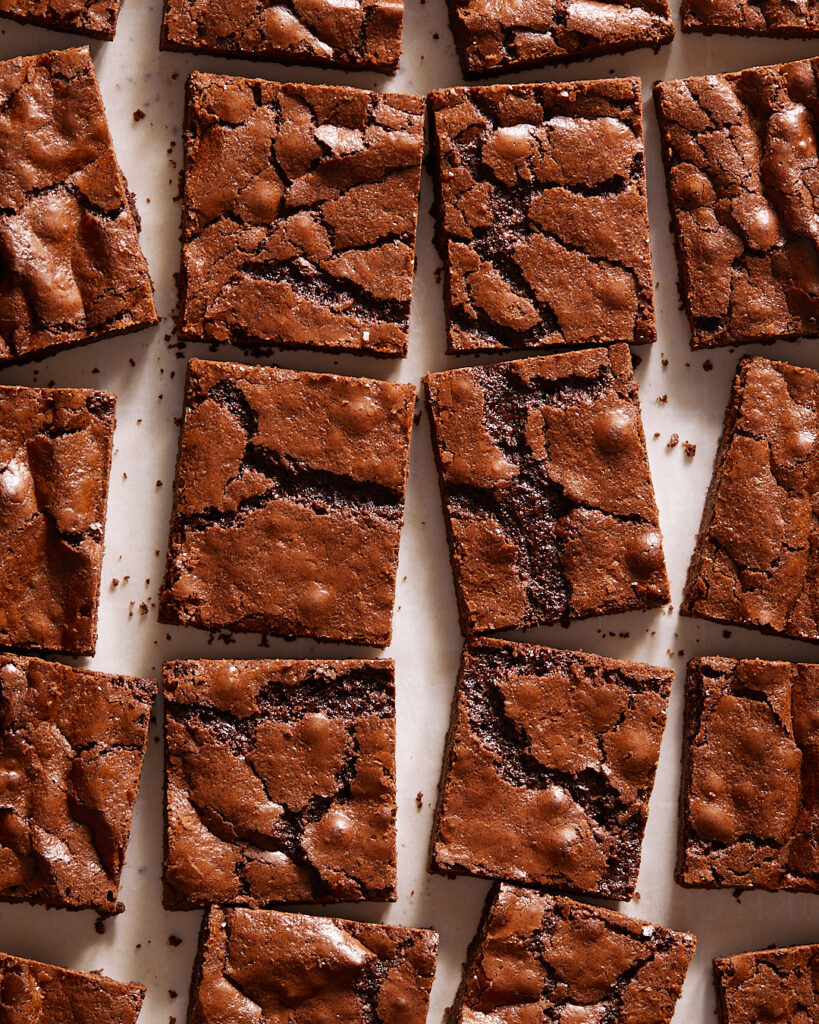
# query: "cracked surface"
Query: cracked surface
71,269
263,966
289,503
541,213
547,958
546,487
771,18
97,18
71,748
55,458
280,782
750,800
777,986
741,164
549,767
300,214
756,562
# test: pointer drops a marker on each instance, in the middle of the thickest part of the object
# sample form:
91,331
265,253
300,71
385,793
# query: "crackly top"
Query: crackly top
263,966
539,957
280,781
300,213
750,801
290,524
547,490
551,764
777,986
746,18
542,218
741,159
55,457
96,18
756,562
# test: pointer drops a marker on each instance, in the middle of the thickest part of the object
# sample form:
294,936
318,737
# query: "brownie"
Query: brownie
289,503
265,966
749,816
541,213
546,488
299,217
542,957
97,18
740,156
55,459
71,269
774,18
777,986
756,561
279,782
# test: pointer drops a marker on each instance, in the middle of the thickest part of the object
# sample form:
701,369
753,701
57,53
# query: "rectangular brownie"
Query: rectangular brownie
756,561
279,782
740,156
749,816
771,985
773,19
55,459
549,767
546,488
289,503
71,269
541,211
299,217
97,18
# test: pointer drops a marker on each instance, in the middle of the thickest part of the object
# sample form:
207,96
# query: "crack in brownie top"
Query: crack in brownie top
793,18
96,18
780,986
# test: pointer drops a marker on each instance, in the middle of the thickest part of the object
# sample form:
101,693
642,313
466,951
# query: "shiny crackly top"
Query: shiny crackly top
777,986
744,17
96,18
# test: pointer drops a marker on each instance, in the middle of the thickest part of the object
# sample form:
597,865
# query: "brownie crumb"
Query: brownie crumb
419,800
139,115
673,441
707,365
662,399
174,940
689,449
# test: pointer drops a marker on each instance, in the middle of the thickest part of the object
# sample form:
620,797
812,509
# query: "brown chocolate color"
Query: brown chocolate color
542,221
741,158
96,18
774,986
71,269
546,487
749,816
772,19
55,458
300,209
289,503
264,966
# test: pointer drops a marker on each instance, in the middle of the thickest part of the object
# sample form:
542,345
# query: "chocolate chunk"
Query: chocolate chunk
774,18
97,18
780,986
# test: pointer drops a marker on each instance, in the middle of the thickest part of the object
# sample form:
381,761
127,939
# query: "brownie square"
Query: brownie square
289,503
542,957
542,221
71,269
756,561
97,18
300,209
546,488
279,782
740,158
55,459
749,814
266,966
774,18
72,743
771,985
549,767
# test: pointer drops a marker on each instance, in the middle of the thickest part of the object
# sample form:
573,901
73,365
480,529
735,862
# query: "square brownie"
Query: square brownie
541,212
299,217
55,459
549,767
289,503
772,985
72,743
774,18
740,157
749,815
97,18
546,488
279,782
71,269
541,957
756,561
265,966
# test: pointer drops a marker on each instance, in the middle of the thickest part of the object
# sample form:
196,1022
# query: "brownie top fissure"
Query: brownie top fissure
746,18
777,986
542,216
96,18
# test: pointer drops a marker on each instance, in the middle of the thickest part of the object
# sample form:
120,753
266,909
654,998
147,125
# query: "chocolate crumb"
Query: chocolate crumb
139,115
689,449
673,441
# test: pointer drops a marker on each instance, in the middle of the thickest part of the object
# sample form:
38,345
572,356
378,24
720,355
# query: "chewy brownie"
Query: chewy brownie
777,986
549,767
289,503
55,459
756,561
546,487
71,269
279,782
748,18
541,957
740,156
265,966
300,207
542,221
97,18
750,803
